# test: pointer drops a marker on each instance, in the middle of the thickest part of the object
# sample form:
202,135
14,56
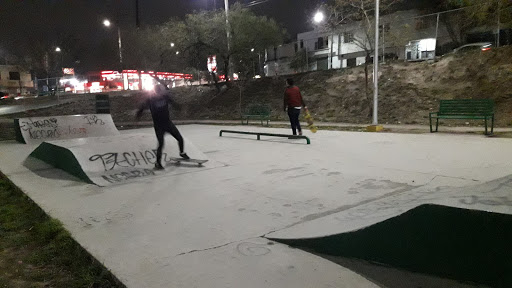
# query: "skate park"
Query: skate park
238,220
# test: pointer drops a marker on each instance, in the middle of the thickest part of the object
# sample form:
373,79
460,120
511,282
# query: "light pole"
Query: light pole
59,51
375,125
318,18
57,82
107,24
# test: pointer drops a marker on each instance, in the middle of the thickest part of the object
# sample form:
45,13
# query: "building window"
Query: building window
320,43
352,62
348,37
14,76
301,44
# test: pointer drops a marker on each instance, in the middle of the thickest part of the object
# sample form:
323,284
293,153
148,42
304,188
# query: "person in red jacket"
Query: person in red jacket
293,102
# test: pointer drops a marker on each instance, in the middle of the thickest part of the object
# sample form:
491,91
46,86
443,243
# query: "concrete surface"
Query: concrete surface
407,128
191,229
103,161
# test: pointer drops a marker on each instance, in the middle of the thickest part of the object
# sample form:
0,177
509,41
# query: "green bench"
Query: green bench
465,109
258,112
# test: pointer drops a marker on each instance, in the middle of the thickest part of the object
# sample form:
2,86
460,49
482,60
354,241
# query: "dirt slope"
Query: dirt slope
408,92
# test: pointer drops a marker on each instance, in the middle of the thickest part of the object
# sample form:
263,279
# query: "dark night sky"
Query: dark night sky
291,13
25,24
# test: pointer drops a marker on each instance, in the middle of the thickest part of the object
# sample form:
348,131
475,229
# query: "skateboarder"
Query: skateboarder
158,103
293,102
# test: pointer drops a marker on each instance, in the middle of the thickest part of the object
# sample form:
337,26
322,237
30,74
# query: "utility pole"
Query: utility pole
437,32
120,46
499,24
383,43
137,23
226,5
137,17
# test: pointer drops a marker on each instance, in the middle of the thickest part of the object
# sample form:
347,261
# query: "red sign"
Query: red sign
68,71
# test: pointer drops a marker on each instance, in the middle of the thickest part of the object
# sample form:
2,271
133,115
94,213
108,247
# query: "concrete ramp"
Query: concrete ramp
38,129
107,161
460,233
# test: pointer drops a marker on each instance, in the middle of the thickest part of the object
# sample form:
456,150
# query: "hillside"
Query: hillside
408,92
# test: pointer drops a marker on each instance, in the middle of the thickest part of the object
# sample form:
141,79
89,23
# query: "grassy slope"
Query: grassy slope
35,251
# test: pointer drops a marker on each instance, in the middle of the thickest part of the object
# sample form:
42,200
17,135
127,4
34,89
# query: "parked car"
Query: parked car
4,95
482,46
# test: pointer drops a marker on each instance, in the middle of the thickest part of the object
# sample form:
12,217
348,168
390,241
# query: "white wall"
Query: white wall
338,52
13,86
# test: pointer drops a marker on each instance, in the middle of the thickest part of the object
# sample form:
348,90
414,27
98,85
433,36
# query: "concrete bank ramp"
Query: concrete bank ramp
119,159
38,129
459,233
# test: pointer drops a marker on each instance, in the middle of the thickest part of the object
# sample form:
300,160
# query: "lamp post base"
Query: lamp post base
374,128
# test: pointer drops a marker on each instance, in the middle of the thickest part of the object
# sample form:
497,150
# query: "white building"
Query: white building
403,36
14,80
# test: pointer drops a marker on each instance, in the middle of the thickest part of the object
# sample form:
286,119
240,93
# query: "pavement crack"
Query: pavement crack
212,248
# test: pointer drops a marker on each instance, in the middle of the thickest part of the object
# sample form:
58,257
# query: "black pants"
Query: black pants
160,131
294,119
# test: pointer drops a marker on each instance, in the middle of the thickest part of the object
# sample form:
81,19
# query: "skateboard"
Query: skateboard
196,161
309,120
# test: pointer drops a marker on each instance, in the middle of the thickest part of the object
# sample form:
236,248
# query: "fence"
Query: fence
48,86
404,35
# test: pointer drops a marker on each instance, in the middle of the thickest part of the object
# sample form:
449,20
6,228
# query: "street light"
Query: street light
177,52
58,49
376,68
172,44
252,50
107,24
319,17
375,127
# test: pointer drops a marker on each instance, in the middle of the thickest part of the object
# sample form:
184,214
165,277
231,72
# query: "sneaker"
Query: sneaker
159,166
300,133
184,155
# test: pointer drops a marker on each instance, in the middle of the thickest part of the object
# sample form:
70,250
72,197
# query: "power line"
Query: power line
255,2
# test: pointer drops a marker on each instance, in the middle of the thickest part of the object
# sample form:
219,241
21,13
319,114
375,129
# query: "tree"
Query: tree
475,13
204,34
300,61
359,16
200,35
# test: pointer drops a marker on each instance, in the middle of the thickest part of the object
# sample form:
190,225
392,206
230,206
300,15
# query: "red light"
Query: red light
486,49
